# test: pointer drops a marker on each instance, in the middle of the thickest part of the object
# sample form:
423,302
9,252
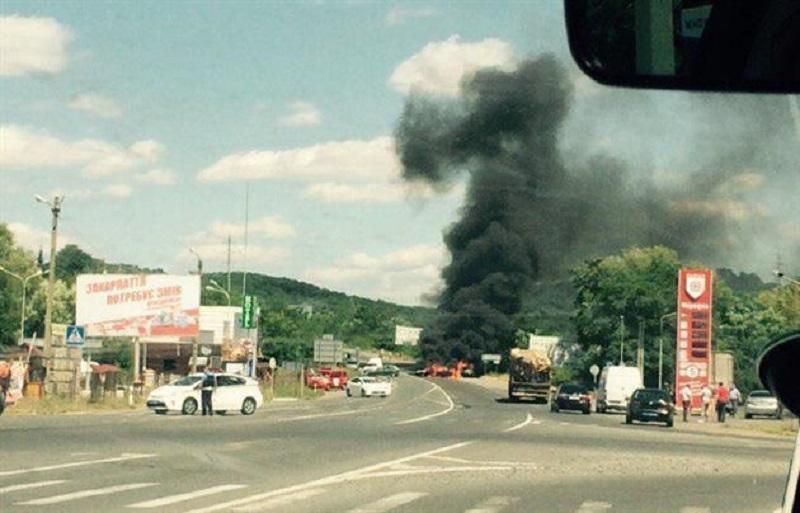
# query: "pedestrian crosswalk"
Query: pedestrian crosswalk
73,493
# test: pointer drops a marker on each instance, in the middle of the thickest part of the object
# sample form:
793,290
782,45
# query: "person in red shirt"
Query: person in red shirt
723,397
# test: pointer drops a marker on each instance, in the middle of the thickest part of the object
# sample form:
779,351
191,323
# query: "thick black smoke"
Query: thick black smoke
527,216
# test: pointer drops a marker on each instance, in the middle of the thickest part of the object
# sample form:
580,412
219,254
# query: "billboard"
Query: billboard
138,305
406,335
693,344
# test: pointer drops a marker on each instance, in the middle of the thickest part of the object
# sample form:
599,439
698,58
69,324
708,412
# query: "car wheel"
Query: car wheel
669,422
748,415
628,419
348,393
554,408
249,406
363,393
189,407
161,412
587,411
779,415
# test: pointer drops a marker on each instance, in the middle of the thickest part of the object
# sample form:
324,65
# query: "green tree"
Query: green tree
72,261
63,306
20,262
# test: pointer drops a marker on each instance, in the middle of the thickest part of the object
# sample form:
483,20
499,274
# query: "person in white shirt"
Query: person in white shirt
686,400
707,394
734,396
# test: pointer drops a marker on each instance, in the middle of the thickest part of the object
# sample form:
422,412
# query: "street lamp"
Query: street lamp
55,209
661,348
199,263
215,287
24,282
782,276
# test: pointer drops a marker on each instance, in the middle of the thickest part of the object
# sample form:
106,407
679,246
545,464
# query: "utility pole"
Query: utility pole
229,263
621,339
246,221
200,275
55,209
640,348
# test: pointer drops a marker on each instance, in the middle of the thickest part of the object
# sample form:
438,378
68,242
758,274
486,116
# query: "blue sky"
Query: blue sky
151,117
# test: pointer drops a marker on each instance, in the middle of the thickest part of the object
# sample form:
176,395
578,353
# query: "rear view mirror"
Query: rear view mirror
730,45
778,370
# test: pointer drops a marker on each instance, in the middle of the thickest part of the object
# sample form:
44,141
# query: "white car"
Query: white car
366,386
232,393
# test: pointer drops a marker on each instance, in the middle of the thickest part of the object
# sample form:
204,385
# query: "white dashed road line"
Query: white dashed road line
28,486
388,503
280,501
493,504
123,457
56,499
593,507
181,497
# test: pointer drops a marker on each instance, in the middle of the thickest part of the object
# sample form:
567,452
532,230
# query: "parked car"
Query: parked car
368,386
650,405
388,371
762,402
617,383
337,377
232,393
571,397
317,381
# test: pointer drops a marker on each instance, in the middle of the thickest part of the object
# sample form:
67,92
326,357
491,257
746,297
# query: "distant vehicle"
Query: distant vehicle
650,405
317,381
351,363
337,377
389,371
367,386
436,370
762,402
572,397
373,364
616,385
233,393
529,375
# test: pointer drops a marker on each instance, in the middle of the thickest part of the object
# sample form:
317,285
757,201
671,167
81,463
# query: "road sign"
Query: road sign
490,357
75,336
328,350
249,312
272,363
594,370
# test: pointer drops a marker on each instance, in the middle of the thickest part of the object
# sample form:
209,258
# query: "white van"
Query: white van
616,385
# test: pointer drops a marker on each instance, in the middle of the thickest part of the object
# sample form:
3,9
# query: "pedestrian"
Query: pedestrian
686,401
206,391
735,397
5,383
723,396
706,394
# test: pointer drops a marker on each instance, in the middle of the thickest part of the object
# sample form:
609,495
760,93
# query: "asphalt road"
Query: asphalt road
438,446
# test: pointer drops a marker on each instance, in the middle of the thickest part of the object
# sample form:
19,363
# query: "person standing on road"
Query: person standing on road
735,397
706,395
5,383
723,396
686,400
206,390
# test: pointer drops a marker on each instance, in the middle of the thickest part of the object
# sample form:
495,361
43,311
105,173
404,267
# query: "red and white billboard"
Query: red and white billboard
693,348
138,305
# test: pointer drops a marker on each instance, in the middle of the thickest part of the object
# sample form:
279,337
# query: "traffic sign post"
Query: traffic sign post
75,336
594,370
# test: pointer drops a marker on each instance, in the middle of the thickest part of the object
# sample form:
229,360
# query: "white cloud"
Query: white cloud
401,14
381,192
157,177
116,191
25,148
269,227
439,67
340,160
33,239
31,45
403,276
301,114
96,104
119,190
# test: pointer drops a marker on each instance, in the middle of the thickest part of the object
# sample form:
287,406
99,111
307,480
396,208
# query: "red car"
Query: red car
337,377
317,381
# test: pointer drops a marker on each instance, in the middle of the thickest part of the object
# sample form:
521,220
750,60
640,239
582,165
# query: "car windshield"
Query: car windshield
186,381
651,395
430,193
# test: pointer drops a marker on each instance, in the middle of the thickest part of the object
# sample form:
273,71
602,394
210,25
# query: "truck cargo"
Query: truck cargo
529,375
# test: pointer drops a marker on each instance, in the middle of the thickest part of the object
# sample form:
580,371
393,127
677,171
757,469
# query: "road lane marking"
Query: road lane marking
281,500
181,497
427,470
516,464
333,479
28,486
695,509
123,457
593,507
55,499
493,504
388,503
521,425
447,410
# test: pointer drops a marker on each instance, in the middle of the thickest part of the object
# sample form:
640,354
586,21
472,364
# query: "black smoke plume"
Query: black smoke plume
526,215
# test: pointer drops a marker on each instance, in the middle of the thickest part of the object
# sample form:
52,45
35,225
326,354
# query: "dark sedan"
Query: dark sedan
650,405
572,397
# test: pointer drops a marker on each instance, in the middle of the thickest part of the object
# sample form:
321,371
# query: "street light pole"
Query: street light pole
193,366
661,348
621,339
781,276
214,287
55,209
24,282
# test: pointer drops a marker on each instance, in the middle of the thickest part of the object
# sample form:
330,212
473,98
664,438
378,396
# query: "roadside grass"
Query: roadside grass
287,386
784,427
64,405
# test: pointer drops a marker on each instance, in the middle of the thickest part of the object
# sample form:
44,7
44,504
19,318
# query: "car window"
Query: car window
186,381
760,393
572,389
226,381
650,395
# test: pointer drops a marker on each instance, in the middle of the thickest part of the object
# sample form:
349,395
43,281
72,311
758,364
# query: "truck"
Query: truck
529,375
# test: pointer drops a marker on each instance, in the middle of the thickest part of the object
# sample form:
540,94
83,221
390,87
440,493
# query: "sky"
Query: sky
153,119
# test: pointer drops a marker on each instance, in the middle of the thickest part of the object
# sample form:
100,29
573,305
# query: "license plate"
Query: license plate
574,398
649,414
